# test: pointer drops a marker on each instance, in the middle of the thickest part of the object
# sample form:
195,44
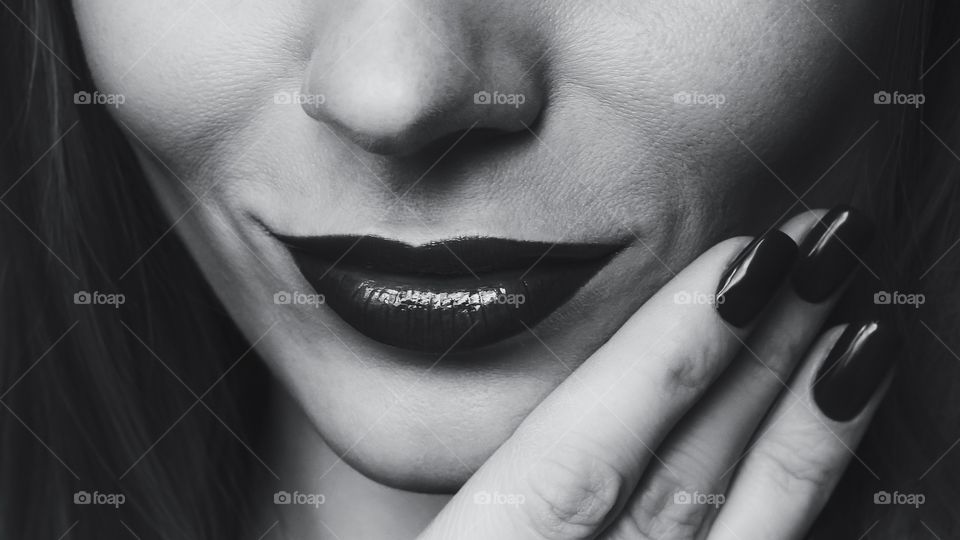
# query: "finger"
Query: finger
675,493
807,442
579,454
678,495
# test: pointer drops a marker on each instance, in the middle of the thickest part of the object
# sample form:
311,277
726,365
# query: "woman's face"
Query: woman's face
652,126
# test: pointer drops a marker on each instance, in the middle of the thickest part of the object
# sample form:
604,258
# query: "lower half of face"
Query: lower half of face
426,214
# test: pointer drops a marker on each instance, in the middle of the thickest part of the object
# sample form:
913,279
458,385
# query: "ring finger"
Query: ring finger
697,460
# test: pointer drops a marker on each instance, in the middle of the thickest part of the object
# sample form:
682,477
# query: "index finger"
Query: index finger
581,452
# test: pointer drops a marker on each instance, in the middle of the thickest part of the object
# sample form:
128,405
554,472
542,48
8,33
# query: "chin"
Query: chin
452,416
444,428
421,466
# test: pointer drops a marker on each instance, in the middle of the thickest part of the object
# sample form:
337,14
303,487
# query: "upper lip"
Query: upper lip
457,293
455,256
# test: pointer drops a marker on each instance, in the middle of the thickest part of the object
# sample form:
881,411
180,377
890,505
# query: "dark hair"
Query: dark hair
909,445
90,397
89,392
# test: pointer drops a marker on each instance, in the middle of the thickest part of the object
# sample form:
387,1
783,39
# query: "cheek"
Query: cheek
671,85
682,72
741,101
192,74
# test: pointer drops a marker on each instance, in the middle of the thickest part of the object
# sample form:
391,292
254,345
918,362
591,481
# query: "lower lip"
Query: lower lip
444,313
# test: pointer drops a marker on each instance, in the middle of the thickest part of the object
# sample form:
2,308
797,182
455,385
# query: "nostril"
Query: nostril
388,117
401,121
440,161
390,107
394,119
373,105
403,89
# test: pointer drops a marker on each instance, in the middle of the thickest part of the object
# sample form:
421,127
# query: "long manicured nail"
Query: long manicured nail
754,276
853,370
830,252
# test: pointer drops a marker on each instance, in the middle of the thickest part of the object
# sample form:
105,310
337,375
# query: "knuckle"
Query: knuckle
661,511
572,492
791,470
692,371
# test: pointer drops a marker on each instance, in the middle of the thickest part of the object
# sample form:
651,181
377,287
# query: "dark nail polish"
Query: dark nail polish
853,370
754,276
830,252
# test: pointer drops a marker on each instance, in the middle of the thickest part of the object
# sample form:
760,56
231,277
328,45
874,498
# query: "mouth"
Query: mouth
455,294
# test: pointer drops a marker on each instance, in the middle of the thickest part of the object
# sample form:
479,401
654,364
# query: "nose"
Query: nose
394,77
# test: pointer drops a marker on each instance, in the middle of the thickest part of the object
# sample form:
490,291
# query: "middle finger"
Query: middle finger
681,490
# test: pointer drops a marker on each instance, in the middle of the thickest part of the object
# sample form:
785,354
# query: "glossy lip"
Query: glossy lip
455,294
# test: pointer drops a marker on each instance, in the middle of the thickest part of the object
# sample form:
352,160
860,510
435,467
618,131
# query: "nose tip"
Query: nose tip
400,86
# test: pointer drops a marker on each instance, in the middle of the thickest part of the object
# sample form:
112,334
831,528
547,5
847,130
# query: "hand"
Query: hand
665,433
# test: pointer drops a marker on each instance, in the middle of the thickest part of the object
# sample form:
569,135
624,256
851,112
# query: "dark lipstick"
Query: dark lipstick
460,293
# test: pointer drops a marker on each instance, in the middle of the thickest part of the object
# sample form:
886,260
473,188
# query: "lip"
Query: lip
456,294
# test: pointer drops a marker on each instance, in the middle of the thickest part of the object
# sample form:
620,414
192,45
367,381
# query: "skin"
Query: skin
599,151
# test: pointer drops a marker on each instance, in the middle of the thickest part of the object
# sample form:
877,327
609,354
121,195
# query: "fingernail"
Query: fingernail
830,252
853,370
754,276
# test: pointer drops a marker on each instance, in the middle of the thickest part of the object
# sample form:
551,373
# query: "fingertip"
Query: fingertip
798,226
